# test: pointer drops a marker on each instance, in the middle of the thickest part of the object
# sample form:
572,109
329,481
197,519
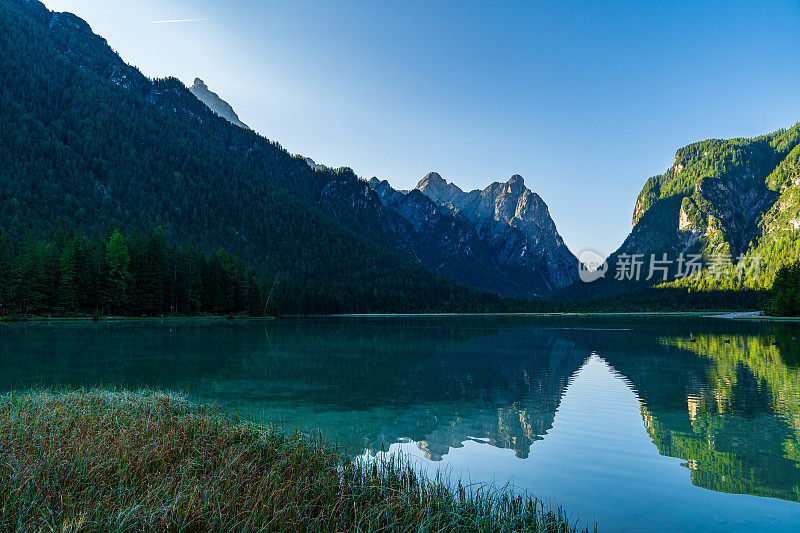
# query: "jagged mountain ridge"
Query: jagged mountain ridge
515,224
445,243
505,230
215,103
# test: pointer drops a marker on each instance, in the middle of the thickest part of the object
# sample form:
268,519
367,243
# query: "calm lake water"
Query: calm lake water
640,424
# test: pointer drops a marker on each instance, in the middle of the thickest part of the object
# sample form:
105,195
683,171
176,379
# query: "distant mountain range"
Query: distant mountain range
89,139
731,197
501,238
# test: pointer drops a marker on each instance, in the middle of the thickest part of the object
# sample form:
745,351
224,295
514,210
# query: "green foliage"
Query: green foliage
785,294
137,274
718,191
117,261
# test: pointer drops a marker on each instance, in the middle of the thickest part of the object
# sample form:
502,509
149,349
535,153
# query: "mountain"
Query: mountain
215,103
445,243
515,224
88,140
491,244
721,199
737,196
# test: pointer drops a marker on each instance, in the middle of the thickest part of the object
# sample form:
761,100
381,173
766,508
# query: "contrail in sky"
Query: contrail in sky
177,21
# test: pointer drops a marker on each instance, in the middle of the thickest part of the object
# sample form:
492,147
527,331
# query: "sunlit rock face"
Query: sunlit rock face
515,224
215,103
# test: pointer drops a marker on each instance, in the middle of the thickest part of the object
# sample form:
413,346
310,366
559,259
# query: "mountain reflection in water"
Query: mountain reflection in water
721,396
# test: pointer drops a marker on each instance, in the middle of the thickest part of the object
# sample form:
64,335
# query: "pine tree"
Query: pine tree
67,283
6,272
255,303
117,262
195,264
31,276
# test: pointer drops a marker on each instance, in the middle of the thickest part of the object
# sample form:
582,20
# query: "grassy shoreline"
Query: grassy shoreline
147,461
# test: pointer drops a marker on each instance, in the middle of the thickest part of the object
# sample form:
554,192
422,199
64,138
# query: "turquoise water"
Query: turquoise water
639,424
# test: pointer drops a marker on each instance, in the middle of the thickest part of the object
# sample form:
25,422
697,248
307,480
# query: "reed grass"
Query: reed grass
147,461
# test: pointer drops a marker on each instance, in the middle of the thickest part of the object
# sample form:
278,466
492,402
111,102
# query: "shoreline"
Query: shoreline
752,316
153,461
219,318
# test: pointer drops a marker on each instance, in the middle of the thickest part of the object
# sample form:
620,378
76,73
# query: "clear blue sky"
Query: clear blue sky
586,100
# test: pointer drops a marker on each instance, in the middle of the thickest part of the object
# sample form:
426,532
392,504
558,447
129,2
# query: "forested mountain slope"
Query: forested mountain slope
722,200
715,196
725,197
89,139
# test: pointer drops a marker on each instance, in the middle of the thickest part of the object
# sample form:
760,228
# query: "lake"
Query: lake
636,423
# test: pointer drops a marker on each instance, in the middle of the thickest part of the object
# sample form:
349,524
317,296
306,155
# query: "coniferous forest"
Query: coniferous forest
109,273
784,299
114,274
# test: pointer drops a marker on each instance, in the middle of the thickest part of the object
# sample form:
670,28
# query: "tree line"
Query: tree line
784,299
111,273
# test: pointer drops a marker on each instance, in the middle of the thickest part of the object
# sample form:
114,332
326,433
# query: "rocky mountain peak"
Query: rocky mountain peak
431,179
215,103
199,85
313,164
516,185
514,221
437,188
